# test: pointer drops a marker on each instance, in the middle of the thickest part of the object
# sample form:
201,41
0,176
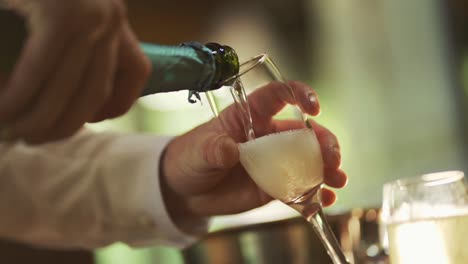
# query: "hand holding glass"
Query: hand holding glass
282,155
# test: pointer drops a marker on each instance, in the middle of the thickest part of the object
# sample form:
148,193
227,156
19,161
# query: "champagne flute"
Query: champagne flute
426,219
287,165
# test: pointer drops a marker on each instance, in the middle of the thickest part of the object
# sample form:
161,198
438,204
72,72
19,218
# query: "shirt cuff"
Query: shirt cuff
165,231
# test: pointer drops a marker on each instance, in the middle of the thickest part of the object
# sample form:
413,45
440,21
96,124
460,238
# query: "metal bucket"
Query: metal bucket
292,241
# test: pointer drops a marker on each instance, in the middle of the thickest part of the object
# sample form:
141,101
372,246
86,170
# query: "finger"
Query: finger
215,152
238,191
39,59
94,89
206,156
265,103
335,178
277,126
132,73
286,125
37,123
269,100
328,144
263,197
306,98
328,197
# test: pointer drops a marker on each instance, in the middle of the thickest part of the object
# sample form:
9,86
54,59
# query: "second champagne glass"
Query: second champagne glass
426,218
287,164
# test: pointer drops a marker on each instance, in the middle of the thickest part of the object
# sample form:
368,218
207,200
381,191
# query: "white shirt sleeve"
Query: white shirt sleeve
87,191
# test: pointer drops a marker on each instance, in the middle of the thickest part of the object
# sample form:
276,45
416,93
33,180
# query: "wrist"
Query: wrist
177,205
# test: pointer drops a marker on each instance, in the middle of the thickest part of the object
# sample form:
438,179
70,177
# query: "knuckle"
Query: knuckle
100,95
12,107
89,18
97,102
145,67
59,133
27,134
122,107
96,15
119,11
208,149
207,154
140,70
6,112
65,133
112,20
110,17
34,140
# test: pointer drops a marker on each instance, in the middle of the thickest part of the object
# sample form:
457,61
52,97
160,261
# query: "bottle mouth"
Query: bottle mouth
246,67
227,62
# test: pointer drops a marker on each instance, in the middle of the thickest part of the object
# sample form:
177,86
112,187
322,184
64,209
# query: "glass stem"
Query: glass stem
327,237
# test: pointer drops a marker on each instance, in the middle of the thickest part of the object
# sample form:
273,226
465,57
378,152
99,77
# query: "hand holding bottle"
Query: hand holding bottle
80,63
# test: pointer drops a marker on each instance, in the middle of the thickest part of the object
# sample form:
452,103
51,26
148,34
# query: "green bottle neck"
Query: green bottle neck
192,66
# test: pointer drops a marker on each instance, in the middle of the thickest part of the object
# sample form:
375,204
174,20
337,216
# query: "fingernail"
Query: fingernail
335,148
314,103
337,153
313,98
333,152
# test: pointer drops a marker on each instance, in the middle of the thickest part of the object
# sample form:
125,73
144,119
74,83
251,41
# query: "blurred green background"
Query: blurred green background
392,76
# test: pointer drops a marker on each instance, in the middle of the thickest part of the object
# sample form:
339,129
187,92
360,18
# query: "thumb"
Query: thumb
215,152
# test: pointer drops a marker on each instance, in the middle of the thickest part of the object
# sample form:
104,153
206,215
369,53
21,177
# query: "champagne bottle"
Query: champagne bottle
190,66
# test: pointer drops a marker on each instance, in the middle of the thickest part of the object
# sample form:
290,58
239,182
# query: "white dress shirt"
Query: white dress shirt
87,191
